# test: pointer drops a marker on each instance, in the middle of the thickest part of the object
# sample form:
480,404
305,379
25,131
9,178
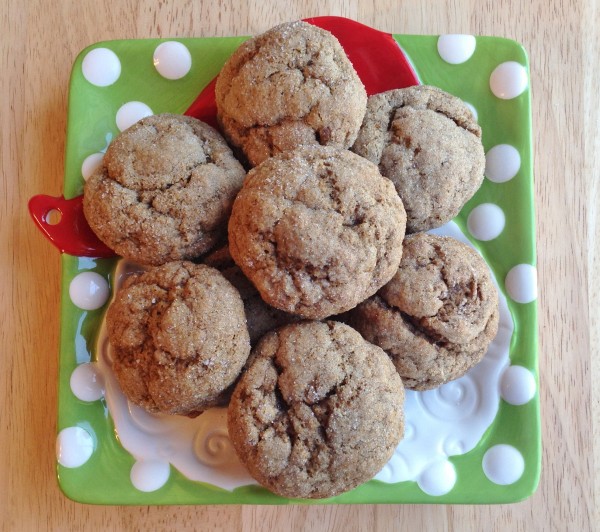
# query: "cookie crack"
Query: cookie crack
460,123
414,324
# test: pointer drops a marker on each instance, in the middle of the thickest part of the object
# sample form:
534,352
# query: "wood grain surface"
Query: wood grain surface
40,40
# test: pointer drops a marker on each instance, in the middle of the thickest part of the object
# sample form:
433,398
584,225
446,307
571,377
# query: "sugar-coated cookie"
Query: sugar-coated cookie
437,316
179,338
291,86
164,190
317,230
428,143
318,412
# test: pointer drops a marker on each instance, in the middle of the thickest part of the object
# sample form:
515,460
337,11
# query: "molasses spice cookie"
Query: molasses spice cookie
289,86
179,338
318,412
428,143
437,316
164,190
317,230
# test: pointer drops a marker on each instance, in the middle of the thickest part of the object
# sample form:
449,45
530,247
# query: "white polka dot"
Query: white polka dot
150,475
455,49
472,109
503,464
101,67
74,446
89,290
90,164
87,383
130,112
517,385
502,163
438,479
486,221
508,80
521,283
172,60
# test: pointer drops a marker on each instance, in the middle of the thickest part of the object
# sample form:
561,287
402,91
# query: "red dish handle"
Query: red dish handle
376,56
63,223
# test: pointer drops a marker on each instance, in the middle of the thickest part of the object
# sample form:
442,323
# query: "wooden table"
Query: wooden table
39,43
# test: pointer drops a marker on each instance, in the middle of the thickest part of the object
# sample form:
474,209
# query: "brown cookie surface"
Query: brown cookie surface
290,86
318,412
179,338
438,314
317,230
260,317
164,190
428,143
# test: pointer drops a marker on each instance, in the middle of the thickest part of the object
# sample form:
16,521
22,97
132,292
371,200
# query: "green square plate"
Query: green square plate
476,440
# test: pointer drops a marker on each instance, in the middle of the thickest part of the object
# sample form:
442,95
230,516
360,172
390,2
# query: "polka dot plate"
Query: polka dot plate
474,440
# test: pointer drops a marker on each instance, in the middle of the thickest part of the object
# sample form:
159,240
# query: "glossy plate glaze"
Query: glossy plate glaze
476,440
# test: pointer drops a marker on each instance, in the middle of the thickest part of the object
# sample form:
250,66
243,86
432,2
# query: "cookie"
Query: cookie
437,316
179,338
319,411
317,230
164,190
428,143
290,86
260,317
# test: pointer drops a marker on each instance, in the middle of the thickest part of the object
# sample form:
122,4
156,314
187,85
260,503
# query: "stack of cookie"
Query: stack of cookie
327,223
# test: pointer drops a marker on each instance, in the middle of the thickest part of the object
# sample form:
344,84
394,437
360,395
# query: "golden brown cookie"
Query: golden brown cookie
428,143
260,317
317,230
437,316
164,190
179,338
319,411
290,86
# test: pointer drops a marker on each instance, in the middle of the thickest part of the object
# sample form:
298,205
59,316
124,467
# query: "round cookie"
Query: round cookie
260,317
428,143
290,86
318,412
164,190
179,338
317,230
437,316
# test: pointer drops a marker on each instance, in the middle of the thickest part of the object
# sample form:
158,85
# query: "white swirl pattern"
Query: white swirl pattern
211,443
454,401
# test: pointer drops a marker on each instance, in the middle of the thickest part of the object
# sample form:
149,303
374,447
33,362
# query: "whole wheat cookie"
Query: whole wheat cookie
260,317
290,86
428,143
164,190
318,412
179,338
317,230
437,316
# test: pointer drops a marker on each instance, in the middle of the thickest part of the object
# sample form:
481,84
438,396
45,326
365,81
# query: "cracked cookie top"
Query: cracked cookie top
179,338
319,411
438,314
428,143
290,86
317,230
164,190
